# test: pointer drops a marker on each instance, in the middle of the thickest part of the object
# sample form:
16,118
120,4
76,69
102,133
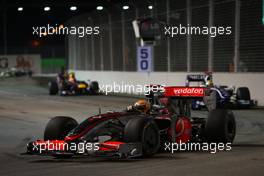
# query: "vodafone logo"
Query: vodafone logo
188,90
184,91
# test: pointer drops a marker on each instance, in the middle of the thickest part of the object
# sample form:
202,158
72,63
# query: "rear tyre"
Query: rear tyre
58,127
53,88
220,126
144,131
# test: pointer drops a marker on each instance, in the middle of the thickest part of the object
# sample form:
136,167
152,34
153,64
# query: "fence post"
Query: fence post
211,39
189,39
237,36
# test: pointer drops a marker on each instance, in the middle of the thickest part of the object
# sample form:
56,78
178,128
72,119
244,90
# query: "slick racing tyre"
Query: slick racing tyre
220,126
144,131
94,87
58,127
53,88
243,93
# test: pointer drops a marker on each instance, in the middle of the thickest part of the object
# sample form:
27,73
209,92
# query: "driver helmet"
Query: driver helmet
208,81
71,74
71,77
142,106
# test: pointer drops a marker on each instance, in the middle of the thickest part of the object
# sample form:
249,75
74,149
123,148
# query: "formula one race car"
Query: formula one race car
81,88
141,130
14,72
68,85
225,96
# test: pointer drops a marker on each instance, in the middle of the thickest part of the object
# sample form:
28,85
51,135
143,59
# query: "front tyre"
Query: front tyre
144,131
94,87
243,93
58,127
243,97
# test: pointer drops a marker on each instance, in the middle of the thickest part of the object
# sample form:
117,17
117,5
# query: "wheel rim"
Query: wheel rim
150,139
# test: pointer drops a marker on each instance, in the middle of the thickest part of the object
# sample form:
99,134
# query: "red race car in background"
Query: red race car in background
141,130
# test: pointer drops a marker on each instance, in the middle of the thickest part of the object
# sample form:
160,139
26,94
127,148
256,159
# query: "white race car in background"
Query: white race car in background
225,96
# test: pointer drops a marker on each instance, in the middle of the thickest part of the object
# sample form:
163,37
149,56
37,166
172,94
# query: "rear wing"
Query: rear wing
196,78
202,78
184,92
